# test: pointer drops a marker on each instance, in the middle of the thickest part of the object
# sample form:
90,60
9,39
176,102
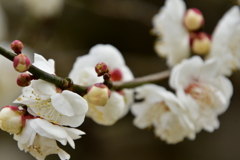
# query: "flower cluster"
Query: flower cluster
50,108
45,117
202,90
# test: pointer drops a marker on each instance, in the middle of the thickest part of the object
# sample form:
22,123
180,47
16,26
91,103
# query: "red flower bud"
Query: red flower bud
24,79
17,46
101,69
21,63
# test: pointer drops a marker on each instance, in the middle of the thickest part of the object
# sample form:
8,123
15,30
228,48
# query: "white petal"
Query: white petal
62,105
43,64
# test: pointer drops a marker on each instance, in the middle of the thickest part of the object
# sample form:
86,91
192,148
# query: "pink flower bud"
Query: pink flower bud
200,43
193,19
98,94
101,69
24,79
21,63
11,119
116,75
17,46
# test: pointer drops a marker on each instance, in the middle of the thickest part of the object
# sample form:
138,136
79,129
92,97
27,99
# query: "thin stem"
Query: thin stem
40,74
152,78
81,90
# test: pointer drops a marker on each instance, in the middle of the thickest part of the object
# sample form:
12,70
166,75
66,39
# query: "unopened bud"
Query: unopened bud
24,79
21,63
101,69
116,75
193,19
200,43
98,94
11,119
17,46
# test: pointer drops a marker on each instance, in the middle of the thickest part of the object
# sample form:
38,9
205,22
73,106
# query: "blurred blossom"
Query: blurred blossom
226,41
173,40
163,110
44,9
83,73
204,91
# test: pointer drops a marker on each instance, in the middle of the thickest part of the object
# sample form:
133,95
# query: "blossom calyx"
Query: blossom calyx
200,43
101,68
193,19
11,119
17,46
98,94
21,63
24,79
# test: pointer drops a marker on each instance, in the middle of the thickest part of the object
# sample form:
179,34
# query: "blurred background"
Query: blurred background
71,28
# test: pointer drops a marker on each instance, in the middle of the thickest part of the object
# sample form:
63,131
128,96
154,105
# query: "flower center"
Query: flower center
202,93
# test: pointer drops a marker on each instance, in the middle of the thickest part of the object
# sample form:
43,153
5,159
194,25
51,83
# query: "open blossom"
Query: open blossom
38,137
200,86
225,41
83,73
173,40
46,100
163,110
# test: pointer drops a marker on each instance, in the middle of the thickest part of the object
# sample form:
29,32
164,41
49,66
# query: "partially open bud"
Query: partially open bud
21,63
17,46
11,119
193,19
24,79
98,94
200,43
116,75
101,69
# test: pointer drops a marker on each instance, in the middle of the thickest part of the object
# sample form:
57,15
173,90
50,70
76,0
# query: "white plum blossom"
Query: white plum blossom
38,137
163,110
83,73
200,87
46,100
226,41
173,40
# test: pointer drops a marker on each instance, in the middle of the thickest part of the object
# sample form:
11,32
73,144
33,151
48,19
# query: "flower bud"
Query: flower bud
200,43
193,19
116,75
98,94
21,63
11,119
24,79
17,46
101,69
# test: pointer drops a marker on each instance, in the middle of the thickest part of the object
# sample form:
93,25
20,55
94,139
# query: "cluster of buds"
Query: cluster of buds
21,63
200,42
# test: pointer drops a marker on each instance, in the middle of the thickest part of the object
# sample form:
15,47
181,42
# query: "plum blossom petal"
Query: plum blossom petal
173,42
202,88
163,110
38,137
225,41
43,64
83,73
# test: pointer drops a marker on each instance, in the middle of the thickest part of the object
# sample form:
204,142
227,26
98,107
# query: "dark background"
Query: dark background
126,24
